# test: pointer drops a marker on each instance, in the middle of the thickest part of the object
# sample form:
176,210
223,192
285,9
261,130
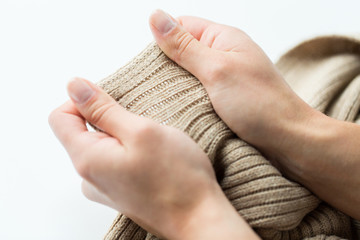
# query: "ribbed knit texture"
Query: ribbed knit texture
153,86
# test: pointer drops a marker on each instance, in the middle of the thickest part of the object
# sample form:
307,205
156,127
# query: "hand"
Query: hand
244,87
154,174
253,99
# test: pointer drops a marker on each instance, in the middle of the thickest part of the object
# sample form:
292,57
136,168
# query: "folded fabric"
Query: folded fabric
325,72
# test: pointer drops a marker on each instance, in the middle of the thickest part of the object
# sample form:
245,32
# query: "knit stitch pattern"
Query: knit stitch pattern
153,86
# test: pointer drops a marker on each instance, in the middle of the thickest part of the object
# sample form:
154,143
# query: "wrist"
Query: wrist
300,143
214,218
322,154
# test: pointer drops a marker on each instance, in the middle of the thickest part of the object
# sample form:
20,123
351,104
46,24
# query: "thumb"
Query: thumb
179,45
99,108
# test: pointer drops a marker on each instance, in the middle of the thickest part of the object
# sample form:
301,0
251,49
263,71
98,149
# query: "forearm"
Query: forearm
333,165
323,154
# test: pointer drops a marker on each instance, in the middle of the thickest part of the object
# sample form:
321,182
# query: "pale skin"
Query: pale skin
133,166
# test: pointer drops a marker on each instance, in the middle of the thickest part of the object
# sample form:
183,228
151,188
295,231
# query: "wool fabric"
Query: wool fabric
324,71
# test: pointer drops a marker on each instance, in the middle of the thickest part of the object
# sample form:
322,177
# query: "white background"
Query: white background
44,43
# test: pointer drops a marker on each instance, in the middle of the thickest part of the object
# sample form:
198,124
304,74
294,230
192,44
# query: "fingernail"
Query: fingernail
162,21
80,91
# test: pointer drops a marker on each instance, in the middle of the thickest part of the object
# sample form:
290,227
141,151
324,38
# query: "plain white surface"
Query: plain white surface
43,43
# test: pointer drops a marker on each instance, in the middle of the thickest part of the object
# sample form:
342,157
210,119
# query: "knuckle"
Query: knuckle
86,191
219,70
52,118
83,168
145,131
99,112
183,41
82,165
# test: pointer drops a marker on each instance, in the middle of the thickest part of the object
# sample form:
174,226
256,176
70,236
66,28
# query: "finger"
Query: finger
100,109
179,45
194,25
69,127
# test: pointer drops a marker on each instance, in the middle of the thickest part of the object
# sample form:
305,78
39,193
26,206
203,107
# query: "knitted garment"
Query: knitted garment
325,72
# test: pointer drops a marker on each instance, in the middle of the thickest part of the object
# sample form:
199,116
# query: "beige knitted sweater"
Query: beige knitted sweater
325,72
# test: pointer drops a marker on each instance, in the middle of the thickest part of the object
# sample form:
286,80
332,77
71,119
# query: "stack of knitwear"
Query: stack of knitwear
324,71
